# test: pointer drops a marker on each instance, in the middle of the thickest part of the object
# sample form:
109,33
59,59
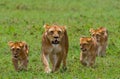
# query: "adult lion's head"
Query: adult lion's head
54,33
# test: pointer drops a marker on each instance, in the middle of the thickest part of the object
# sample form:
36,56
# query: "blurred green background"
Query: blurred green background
23,20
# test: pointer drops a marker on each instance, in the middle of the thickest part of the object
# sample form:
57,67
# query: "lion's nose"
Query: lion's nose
56,37
81,48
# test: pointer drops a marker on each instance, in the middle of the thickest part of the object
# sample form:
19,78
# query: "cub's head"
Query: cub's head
17,48
85,43
54,33
99,33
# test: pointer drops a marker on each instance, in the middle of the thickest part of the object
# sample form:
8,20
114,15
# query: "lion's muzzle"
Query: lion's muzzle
55,42
83,49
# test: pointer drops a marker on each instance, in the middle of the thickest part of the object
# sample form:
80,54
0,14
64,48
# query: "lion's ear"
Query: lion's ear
81,38
46,26
91,30
89,39
63,28
22,43
10,43
103,29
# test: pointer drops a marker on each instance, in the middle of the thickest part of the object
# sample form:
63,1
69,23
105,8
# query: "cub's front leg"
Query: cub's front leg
23,64
83,59
103,53
15,63
91,60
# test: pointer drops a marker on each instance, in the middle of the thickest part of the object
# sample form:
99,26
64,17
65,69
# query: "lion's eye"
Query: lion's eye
59,32
102,33
97,34
93,34
86,44
17,49
51,32
12,49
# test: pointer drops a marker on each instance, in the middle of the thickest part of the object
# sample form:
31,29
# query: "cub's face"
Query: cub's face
54,33
85,43
16,48
98,34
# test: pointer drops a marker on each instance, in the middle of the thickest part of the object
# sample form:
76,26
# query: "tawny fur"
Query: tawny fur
101,36
88,48
54,47
19,55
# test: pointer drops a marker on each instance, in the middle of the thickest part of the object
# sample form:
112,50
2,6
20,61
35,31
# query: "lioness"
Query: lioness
88,53
19,55
101,36
54,47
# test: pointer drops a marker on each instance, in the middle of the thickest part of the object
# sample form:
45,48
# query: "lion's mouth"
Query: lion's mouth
98,39
55,42
83,49
15,56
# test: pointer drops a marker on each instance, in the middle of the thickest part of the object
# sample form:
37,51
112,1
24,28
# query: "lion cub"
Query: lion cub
88,48
19,55
101,36
54,47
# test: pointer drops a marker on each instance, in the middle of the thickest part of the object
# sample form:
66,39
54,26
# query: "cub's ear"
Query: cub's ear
46,26
89,40
24,45
91,30
10,43
81,38
103,29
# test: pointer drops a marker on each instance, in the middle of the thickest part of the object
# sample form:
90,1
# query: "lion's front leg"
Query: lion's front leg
91,60
58,58
64,61
103,53
83,59
15,63
45,62
23,64
53,60
99,51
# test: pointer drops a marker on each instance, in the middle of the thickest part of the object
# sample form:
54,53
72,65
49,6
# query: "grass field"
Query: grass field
24,20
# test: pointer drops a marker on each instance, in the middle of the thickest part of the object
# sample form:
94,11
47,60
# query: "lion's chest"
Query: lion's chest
55,49
22,56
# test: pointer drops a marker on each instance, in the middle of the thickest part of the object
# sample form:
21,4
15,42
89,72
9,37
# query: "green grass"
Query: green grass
24,20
